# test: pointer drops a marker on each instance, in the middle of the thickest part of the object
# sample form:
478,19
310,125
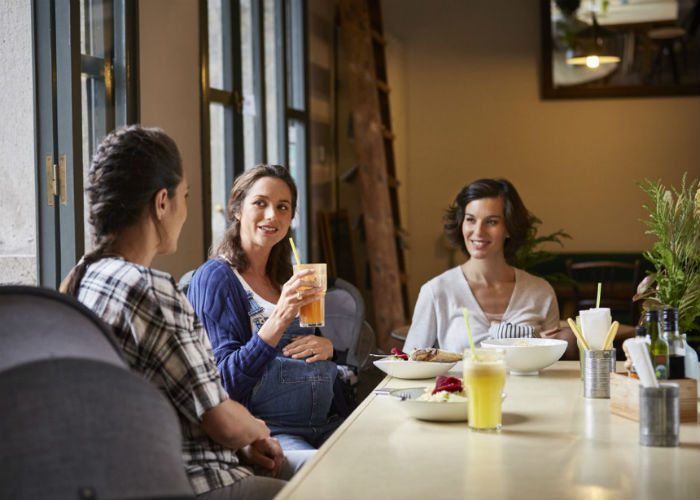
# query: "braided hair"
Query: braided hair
129,167
279,263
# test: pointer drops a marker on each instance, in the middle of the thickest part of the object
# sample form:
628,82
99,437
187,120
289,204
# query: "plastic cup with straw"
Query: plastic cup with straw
484,378
312,314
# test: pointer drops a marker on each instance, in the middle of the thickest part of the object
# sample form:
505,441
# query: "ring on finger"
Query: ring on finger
300,297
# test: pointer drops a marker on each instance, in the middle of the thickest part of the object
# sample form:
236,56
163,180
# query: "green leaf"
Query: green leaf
674,219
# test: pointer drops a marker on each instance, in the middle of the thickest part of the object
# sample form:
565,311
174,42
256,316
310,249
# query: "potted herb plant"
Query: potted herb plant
674,218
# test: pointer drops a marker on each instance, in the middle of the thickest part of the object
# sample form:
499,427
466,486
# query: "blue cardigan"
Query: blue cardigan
221,304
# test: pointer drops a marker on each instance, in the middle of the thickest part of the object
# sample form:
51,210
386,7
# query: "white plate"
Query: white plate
400,368
437,411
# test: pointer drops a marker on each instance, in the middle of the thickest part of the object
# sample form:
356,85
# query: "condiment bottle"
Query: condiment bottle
676,347
658,347
640,333
691,360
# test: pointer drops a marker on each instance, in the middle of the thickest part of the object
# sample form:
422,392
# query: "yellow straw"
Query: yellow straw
597,300
294,249
469,330
578,334
611,335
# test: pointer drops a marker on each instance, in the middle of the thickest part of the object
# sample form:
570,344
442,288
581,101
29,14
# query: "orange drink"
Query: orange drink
313,314
484,379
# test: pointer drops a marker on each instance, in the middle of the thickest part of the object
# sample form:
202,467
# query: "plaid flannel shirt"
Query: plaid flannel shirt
163,340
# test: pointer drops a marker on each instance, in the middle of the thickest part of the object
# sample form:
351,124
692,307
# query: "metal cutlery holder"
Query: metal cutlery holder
659,415
596,373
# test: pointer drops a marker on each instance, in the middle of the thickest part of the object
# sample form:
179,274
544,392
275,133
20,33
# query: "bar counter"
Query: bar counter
554,445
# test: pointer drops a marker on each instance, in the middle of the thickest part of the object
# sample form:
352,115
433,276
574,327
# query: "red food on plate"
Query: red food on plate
449,384
399,353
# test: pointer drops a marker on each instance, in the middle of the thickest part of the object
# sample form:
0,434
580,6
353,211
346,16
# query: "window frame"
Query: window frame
233,99
57,69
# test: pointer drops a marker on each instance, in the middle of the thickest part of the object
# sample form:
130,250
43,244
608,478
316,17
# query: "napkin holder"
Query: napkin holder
624,397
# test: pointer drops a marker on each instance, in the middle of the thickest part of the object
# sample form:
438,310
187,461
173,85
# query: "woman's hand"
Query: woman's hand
265,454
296,292
311,347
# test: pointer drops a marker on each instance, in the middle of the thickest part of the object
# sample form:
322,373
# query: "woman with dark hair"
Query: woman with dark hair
488,222
137,198
249,302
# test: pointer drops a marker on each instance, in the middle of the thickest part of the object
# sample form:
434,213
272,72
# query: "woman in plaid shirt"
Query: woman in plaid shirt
137,196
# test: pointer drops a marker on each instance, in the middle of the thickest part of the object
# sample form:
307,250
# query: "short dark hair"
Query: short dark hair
279,263
517,218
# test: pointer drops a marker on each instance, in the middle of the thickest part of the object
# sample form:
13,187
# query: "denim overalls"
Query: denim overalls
294,397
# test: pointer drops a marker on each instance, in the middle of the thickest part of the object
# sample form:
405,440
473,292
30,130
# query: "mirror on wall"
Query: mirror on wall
617,48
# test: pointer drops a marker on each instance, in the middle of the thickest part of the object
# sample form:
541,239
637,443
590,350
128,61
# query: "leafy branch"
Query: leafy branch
674,218
529,256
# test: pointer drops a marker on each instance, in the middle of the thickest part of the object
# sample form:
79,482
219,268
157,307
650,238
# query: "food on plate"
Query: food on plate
434,354
426,354
521,343
446,390
398,353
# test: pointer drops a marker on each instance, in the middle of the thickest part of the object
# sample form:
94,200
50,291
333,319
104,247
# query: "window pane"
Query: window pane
273,47
17,189
92,20
216,48
93,104
297,167
219,196
295,55
248,73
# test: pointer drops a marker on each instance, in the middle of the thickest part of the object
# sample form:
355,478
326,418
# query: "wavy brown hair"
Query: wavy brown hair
279,263
517,217
129,167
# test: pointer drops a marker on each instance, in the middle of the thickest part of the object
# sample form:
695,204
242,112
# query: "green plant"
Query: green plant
528,255
674,218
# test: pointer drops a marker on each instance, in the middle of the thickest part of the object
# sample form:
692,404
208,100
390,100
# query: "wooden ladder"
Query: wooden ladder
361,25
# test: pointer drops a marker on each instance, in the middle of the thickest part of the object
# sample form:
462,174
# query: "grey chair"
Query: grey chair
79,428
184,282
345,326
39,323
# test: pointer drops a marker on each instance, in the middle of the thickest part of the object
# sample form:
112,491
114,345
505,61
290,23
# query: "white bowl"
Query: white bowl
528,359
400,368
437,411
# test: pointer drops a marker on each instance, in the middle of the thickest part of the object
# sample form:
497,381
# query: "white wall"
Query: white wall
17,185
468,95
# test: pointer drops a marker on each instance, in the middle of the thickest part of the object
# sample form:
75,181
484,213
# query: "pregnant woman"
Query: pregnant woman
249,301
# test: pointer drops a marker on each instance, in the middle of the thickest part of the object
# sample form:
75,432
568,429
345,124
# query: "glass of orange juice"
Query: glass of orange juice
313,314
484,379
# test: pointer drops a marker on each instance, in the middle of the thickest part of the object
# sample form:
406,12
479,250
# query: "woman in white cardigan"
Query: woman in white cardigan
489,222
